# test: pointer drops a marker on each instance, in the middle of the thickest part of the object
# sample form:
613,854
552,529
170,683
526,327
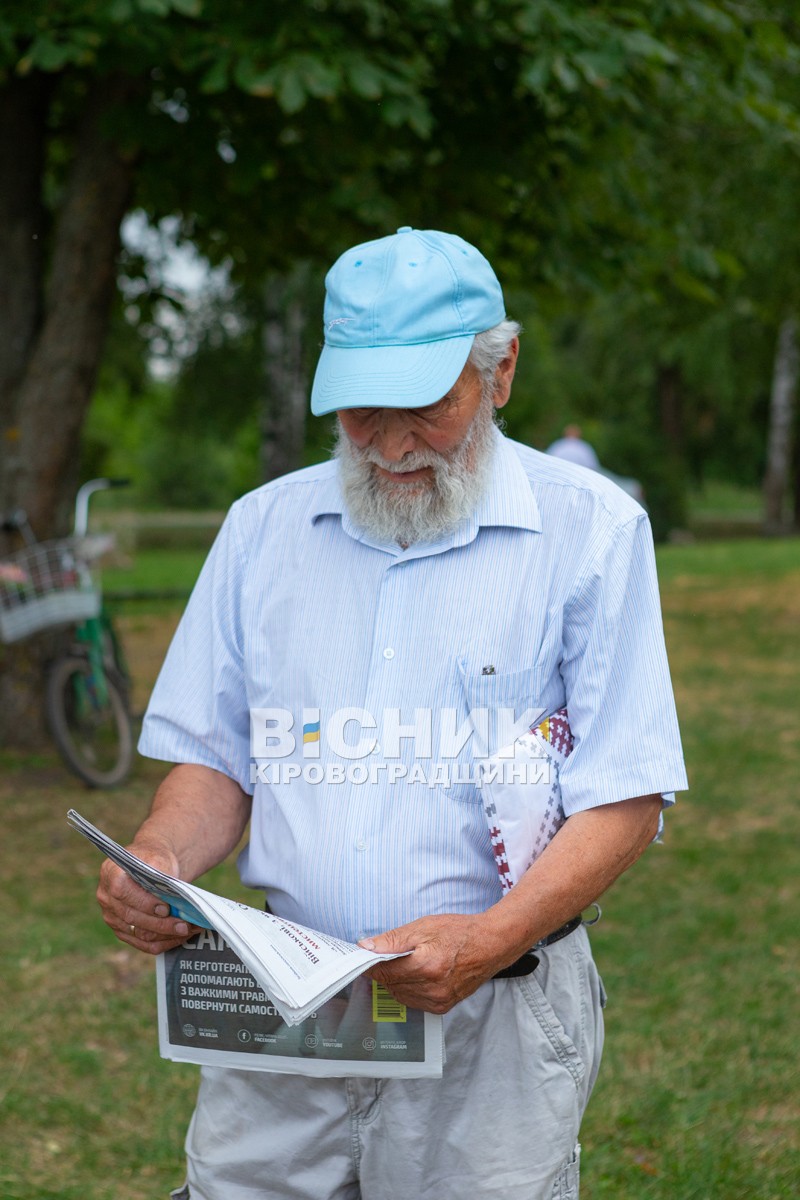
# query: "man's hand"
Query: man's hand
136,916
197,818
451,957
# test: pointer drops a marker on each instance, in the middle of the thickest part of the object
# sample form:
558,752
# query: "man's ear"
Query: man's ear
504,375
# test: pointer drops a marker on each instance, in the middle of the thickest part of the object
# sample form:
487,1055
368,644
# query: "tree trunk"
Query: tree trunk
23,106
57,386
669,392
54,331
283,422
670,395
796,473
781,416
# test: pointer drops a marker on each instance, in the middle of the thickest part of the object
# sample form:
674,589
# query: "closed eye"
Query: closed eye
429,412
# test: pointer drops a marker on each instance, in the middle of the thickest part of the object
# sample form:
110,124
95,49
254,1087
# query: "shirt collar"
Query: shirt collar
508,501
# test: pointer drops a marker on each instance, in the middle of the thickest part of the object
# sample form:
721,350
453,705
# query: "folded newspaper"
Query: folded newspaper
298,968
211,1011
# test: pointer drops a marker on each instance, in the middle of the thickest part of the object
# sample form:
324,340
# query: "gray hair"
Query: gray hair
490,348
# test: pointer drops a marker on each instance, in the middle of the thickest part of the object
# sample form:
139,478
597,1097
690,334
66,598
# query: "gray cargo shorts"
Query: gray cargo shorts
502,1123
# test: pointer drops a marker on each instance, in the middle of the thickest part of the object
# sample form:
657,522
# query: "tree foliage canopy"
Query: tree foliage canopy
295,127
553,133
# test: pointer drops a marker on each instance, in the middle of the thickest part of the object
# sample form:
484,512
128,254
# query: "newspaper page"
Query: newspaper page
298,968
211,1011
521,793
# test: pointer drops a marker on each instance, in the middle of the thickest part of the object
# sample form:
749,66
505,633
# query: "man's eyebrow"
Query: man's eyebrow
446,399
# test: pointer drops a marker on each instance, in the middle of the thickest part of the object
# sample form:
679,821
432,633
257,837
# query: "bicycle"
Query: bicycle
51,584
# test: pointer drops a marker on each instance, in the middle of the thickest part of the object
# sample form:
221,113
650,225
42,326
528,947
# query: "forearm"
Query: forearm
590,851
454,954
198,817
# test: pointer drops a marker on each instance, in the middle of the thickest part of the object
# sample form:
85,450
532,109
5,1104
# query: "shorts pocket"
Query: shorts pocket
562,1044
568,1183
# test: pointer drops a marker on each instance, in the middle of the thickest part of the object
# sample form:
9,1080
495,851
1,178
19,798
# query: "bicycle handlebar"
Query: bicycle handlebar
17,520
82,500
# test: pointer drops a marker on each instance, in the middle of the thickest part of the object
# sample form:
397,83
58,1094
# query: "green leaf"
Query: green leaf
772,41
600,66
536,74
319,79
566,75
365,79
729,264
404,110
713,17
48,55
645,46
120,11
253,79
216,79
159,8
188,8
290,92
689,285
701,261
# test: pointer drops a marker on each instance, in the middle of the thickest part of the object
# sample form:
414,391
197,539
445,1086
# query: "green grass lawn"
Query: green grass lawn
698,1098
718,500
155,570
698,945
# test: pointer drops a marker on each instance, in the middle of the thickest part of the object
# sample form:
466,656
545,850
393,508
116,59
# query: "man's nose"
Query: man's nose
395,435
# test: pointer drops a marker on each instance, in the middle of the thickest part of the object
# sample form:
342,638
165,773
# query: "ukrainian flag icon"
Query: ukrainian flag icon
311,732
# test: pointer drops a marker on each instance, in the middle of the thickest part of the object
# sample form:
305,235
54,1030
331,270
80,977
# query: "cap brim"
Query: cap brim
387,376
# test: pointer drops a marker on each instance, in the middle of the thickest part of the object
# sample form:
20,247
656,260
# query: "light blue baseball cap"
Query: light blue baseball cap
401,314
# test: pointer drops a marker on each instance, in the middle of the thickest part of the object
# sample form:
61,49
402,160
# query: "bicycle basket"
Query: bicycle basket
42,587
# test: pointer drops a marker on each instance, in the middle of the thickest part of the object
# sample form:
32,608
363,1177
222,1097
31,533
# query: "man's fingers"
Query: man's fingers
394,941
147,941
403,938
431,994
135,915
148,926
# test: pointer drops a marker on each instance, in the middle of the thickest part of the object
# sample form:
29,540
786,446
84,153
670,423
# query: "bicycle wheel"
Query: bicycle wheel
95,738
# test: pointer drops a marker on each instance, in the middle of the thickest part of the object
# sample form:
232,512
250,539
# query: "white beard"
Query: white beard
421,511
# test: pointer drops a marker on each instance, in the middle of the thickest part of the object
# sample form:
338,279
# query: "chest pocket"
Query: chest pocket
506,704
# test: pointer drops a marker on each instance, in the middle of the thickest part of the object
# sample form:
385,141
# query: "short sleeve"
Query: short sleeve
617,680
198,712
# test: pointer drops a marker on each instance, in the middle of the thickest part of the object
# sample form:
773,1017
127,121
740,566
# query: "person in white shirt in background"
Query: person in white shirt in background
572,448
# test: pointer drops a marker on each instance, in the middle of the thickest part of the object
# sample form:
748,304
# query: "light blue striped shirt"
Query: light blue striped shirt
546,596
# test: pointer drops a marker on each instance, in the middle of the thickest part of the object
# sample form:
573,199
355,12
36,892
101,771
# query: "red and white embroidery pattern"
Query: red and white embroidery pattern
534,807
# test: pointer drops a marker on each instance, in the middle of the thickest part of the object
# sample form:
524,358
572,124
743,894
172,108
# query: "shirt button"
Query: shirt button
361,844
388,652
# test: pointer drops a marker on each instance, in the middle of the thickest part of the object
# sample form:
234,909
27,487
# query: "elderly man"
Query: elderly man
433,569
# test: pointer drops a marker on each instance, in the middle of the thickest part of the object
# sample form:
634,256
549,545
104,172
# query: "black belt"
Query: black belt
528,962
